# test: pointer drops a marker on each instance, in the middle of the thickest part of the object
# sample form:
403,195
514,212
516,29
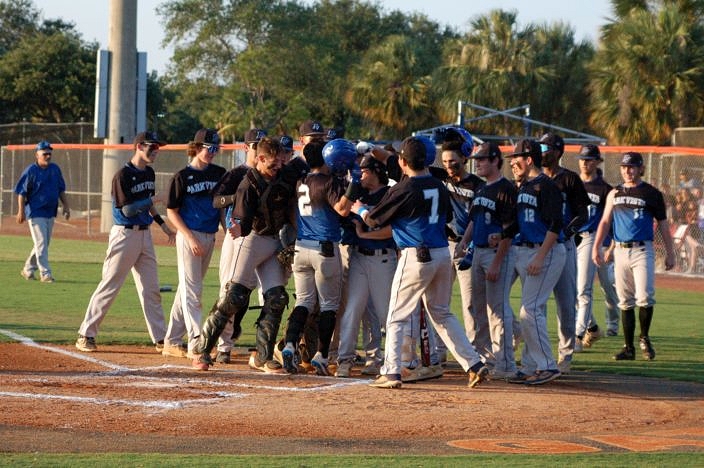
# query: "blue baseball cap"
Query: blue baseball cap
286,142
43,146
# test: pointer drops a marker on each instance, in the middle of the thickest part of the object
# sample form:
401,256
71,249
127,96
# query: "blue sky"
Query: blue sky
91,17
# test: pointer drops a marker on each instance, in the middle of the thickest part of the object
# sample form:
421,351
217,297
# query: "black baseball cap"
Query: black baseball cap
207,136
311,128
553,141
632,158
589,152
253,135
147,137
488,149
286,142
371,163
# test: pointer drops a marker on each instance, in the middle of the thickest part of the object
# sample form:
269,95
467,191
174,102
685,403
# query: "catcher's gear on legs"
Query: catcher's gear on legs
275,301
234,303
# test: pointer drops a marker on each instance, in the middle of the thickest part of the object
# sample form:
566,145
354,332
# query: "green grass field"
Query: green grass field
51,313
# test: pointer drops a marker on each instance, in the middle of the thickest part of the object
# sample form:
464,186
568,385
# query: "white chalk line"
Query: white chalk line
154,382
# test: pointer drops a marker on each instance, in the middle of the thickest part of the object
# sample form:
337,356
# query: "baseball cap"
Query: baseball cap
487,150
43,146
286,142
526,147
589,152
632,158
148,137
335,133
207,136
373,164
551,141
311,128
253,135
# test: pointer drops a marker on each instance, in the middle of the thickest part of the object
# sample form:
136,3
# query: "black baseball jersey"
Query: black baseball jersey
132,185
634,209
494,211
418,208
539,209
575,201
462,195
371,200
227,186
597,190
191,192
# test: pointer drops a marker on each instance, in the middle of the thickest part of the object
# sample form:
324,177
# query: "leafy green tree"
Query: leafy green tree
18,19
648,75
48,77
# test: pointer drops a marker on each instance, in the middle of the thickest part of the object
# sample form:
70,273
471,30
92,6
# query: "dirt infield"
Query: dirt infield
132,399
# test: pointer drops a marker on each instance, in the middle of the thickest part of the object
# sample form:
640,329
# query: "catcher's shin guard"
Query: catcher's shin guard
275,301
234,303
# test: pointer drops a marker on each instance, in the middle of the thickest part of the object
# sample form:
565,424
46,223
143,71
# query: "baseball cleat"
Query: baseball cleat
518,378
478,376
288,358
371,367
626,354
421,373
320,363
223,357
86,344
344,368
543,377
591,336
386,381
159,346
268,367
28,275
179,351
47,279
564,365
647,348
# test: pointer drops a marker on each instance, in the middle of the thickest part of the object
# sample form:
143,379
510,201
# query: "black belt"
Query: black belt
631,244
371,252
481,246
136,227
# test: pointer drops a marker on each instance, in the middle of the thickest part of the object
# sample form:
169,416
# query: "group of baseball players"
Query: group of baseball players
376,237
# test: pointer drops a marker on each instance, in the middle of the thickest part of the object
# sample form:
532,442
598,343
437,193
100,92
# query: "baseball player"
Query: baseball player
372,265
575,202
317,268
130,246
190,208
491,229
587,329
631,208
264,203
224,198
540,258
418,208
39,189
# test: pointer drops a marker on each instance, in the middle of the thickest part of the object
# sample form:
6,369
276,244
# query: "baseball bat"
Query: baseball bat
424,338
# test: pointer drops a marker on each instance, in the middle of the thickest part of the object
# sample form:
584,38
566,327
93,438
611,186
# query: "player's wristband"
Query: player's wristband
159,220
362,211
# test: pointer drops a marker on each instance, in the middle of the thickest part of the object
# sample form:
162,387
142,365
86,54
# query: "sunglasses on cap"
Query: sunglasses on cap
212,149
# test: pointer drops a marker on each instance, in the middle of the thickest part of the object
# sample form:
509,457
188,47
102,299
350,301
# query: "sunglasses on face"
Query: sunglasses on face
46,154
545,148
151,146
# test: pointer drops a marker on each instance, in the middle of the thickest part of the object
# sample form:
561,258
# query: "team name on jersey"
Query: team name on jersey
594,198
144,186
528,199
463,192
631,201
198,187
485,202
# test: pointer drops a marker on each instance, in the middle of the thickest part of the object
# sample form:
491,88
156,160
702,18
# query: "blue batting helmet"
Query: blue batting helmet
339,155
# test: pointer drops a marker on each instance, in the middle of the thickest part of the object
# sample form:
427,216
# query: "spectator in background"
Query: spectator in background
39,190
686,181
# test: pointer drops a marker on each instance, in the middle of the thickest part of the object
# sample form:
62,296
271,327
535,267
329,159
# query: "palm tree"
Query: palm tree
389,90
648,75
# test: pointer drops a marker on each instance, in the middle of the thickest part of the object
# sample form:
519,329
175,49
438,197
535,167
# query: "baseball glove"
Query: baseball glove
285,256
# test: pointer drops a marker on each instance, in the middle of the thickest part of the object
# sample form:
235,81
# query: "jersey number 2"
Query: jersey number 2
304,208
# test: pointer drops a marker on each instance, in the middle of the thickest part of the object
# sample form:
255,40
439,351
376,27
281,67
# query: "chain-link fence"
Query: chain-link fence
677,171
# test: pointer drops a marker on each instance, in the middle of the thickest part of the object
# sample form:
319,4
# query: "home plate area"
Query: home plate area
119,394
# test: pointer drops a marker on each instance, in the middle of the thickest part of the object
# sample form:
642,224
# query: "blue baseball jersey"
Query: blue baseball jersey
462,195
315,215
634,210
417,208
130,186
191,192
41,189
493,210
539,209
